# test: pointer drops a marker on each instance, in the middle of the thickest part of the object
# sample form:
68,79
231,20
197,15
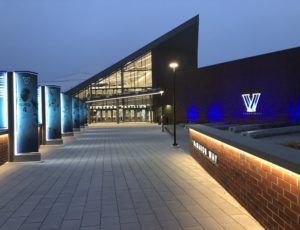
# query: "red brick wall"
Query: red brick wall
3,148
270,193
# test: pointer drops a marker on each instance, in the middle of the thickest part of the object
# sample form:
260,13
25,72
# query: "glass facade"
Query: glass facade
130,82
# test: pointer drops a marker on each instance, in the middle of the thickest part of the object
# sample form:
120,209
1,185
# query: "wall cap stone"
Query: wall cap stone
3,131
279,155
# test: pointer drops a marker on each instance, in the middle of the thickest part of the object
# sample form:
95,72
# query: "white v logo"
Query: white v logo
251,103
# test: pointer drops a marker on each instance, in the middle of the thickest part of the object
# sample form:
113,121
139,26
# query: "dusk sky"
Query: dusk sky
68,41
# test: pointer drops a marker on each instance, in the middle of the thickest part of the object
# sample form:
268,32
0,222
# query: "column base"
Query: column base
34,156
67,134
76,129
54,142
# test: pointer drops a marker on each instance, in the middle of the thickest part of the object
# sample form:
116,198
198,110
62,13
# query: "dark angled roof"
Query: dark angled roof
192,22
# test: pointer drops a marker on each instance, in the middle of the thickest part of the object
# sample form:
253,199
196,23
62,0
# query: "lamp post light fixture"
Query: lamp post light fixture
174,65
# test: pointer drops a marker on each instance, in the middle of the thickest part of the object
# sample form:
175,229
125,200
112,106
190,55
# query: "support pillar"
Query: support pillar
118,115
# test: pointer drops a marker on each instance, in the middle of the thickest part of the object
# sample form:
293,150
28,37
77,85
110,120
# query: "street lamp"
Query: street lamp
174,65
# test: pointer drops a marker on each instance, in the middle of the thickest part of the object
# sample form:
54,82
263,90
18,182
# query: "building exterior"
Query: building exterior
135,88
139,87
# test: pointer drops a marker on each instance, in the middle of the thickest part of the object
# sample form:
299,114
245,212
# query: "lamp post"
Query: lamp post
174,65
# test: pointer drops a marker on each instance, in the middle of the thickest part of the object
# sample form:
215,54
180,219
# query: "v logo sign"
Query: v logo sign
251,103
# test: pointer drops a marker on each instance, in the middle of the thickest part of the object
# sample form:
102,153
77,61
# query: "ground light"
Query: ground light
174,65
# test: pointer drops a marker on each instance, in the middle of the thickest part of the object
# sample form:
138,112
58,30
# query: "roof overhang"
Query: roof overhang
161,92
183,28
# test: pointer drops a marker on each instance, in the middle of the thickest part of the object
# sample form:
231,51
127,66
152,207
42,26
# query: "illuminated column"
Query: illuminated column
75,113
85,113
81,114
51,115
40,118
23,116
3,119
151,109
3,100
66,115
117,112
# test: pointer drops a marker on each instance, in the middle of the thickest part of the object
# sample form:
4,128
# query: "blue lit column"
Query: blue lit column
81,114
3,100
75,114
51,115
23,116
66,115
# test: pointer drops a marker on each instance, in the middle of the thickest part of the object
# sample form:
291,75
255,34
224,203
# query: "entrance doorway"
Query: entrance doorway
125,115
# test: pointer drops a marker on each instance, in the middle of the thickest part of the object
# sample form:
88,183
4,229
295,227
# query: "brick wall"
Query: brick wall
3,148
270,193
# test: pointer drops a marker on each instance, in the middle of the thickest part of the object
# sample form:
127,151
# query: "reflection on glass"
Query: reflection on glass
133,78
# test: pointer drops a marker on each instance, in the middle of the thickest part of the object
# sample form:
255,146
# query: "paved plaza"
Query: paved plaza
116,177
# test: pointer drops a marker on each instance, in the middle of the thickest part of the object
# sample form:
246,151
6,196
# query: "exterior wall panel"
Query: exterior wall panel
214,93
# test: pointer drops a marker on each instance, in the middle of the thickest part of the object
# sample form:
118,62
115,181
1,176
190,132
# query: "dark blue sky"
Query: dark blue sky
70,40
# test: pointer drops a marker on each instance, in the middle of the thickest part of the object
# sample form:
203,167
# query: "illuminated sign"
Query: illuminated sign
251,102
3,100
206,152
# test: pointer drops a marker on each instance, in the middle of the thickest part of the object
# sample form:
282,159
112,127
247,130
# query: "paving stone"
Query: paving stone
13,223
52,222
170,225
37,215
111,220
91,228
128,216
30,226
70,225
74,213
110,227
90,219
186,219
130,226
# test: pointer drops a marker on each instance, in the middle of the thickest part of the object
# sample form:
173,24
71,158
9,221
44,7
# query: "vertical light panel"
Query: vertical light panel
62,112
25,112
3,100
53,113
81,113
85,113
75,112
66,113
39,92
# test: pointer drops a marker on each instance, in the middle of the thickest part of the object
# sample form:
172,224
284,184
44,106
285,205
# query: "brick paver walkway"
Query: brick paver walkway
116,177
